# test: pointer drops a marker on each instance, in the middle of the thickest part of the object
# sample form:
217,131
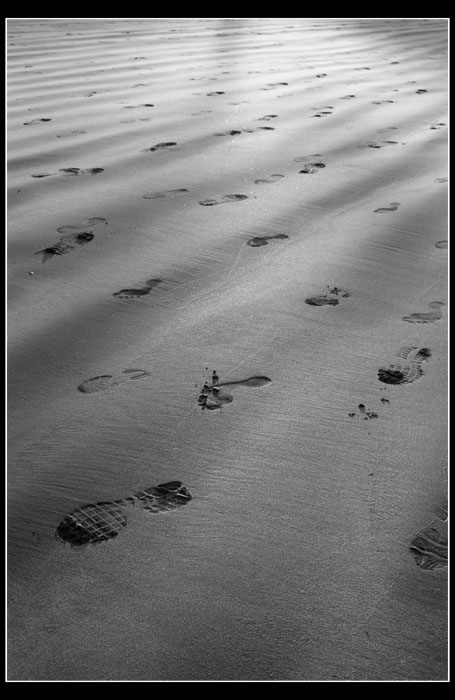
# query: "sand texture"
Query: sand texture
227,289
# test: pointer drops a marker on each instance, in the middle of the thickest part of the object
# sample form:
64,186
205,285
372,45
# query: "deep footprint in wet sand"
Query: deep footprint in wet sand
393,207
312,168
134,293
99,522
271,178
434,315
430,548
108,381
408,371
164,193
212,398
331,298
224,199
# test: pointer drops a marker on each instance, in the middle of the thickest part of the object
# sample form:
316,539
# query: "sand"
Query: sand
292,560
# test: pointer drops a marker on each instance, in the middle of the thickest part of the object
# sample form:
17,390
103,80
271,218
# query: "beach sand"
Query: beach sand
126,142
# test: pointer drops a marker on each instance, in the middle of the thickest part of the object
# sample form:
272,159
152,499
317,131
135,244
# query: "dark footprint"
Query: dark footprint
78,171
331,298
321,75
429,548
347,97
133,293
158,146
211,94
442,244
164,193
407,372
270,179
312,168
107,381
103,521
43,175
233,132
36,121
437,126
421,92
262,240
434,315
224,199
211,398
442,179
393,207
267,118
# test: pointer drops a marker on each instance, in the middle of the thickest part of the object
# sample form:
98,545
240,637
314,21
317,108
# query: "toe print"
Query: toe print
434,315
99,522
108,381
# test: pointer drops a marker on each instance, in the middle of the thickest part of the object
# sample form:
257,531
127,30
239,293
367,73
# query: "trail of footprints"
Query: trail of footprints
103,521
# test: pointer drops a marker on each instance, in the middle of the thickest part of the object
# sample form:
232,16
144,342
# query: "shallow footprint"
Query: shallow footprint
393,207
158,146
108,381
164,193
272,178
442,244
263,240
434,315
212,398
133,293
224,199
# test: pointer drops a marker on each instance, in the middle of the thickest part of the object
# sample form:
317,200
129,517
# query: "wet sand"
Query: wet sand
250,198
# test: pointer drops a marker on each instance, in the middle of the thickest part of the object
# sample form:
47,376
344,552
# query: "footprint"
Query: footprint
211,398
382,102
211,94
164,193
78,171
69,228
267,118
66,244
429,548
434,315
331,298
36,121
272,86
312,168
133,293
438,126
407,372
442,179
158,146
99,522
271,178
393,207
442,244
108,381
321,75
421,92
365,414
347,97
262,240
224,199
320,114
43,174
